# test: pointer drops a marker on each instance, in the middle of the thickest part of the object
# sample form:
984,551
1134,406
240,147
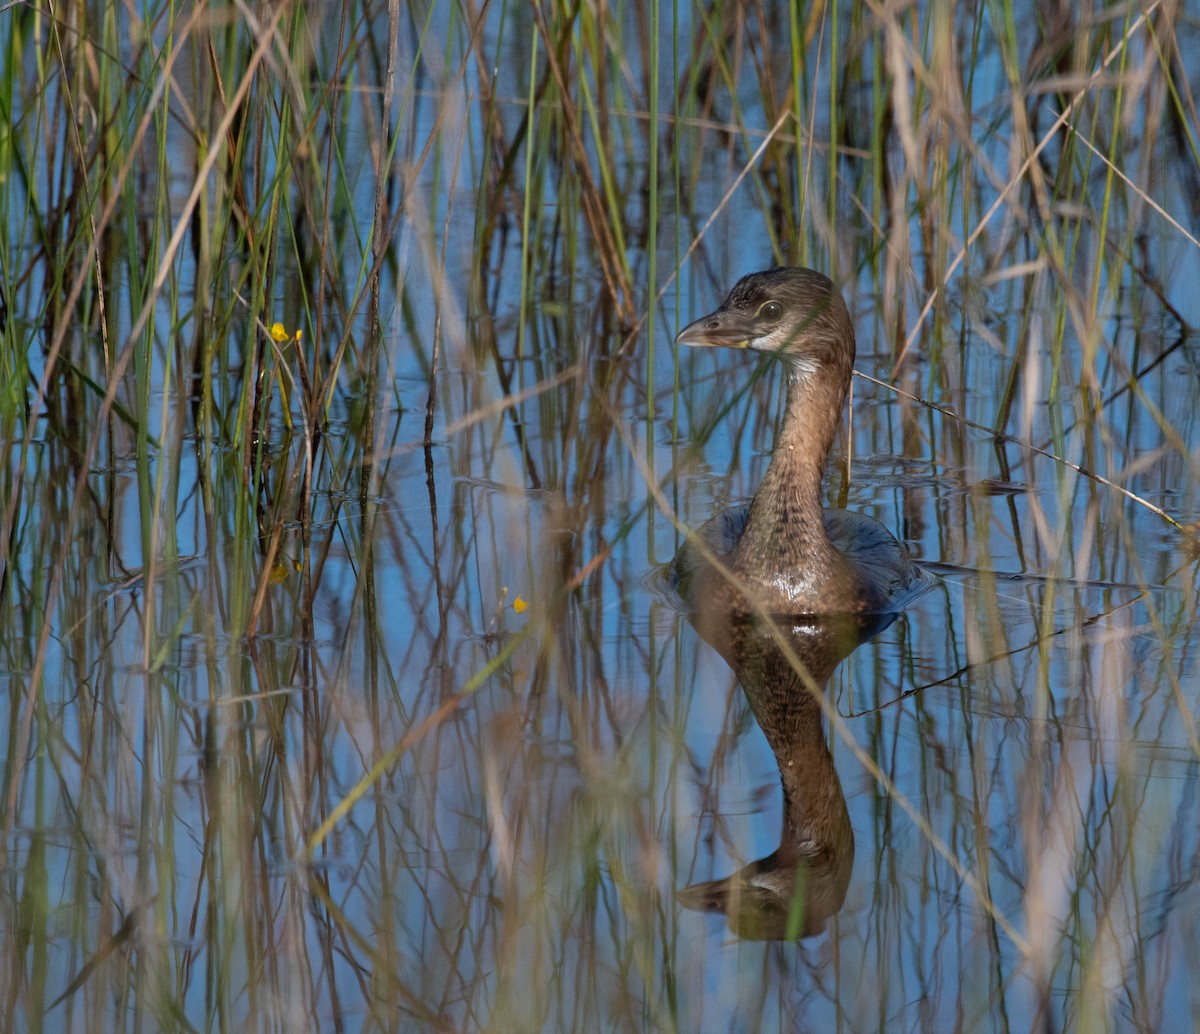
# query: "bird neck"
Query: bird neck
786,522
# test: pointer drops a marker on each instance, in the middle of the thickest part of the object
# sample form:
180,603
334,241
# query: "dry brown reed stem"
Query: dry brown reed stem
611,263
380,244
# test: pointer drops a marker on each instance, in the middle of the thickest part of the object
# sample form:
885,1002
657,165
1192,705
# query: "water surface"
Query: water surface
418,742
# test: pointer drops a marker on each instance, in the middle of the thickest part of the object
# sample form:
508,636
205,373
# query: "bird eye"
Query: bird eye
771,311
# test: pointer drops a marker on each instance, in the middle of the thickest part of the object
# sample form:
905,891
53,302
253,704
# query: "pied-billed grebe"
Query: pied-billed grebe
792,556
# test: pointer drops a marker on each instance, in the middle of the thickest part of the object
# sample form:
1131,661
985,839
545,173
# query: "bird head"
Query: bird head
791,312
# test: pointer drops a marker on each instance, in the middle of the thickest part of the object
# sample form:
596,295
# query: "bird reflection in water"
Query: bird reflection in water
794,890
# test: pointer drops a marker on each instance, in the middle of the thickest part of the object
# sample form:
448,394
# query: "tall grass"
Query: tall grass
284,751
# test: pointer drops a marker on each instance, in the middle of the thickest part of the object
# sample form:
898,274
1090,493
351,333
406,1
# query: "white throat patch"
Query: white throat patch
803,367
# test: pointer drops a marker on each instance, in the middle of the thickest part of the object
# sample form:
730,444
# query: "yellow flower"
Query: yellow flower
278,334
520,606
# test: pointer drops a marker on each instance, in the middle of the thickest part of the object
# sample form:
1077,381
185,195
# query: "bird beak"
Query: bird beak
718,329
